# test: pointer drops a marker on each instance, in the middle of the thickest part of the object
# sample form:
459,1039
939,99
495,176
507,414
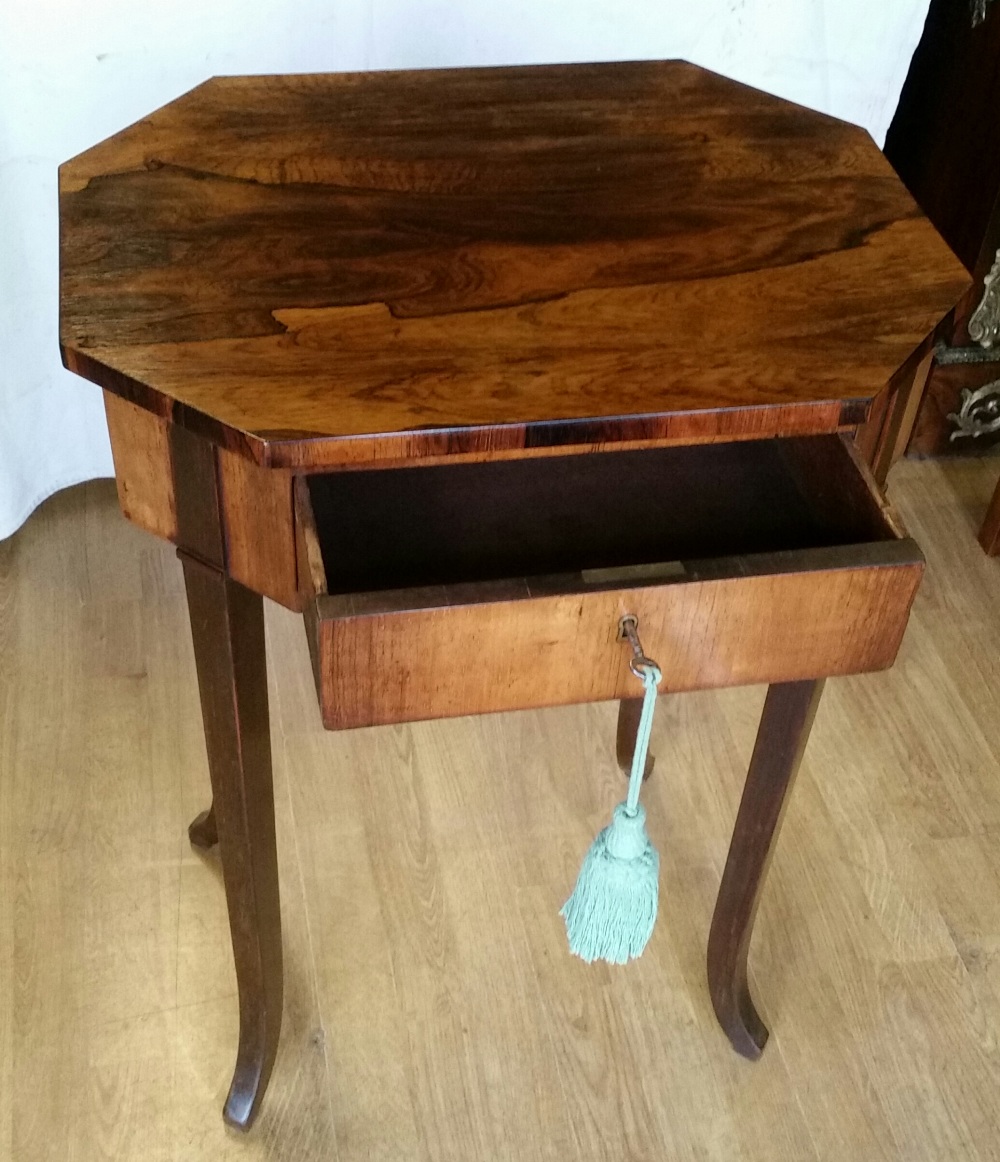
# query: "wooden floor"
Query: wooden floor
432,1011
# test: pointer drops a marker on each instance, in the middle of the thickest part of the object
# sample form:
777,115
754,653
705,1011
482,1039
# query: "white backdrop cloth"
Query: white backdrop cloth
75,71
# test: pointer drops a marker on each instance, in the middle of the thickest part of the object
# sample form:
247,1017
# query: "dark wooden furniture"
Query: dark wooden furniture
944,141
474,363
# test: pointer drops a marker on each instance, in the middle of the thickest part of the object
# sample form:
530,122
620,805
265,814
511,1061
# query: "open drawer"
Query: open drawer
469,588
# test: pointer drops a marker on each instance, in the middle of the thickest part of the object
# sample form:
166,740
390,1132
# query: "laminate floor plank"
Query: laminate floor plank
432,1011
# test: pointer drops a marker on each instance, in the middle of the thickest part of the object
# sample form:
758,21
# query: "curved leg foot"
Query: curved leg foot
250,1078
203,832
227,623
784,730
629,710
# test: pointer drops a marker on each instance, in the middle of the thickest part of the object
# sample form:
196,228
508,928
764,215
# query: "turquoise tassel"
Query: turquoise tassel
612,910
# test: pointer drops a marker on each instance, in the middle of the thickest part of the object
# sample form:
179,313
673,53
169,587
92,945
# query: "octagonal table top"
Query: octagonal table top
326,270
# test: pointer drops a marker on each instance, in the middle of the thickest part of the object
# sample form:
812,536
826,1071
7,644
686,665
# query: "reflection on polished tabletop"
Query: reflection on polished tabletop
321,270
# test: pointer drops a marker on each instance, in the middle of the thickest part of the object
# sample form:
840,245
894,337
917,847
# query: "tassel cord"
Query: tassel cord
651,677
611,912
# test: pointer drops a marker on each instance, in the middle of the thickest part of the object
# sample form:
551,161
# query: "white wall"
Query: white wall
74,71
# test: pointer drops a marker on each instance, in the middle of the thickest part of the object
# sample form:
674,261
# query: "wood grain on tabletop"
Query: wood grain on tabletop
342,269
431,1009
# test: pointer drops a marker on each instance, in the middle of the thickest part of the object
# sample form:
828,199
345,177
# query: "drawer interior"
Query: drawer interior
764,561
391,529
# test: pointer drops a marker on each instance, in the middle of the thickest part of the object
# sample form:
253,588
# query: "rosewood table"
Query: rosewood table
473,363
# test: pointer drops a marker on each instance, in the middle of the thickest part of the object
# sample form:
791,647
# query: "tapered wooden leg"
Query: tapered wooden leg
989,534
629,710
227,622
781,738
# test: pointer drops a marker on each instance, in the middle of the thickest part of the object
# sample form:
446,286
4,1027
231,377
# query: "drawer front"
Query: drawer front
395,657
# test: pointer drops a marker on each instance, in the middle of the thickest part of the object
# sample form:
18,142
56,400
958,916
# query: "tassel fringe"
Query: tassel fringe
612,911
